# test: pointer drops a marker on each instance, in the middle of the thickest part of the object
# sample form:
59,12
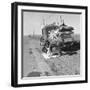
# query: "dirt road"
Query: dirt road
33,61
42,65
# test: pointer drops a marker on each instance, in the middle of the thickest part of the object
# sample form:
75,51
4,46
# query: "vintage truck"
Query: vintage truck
58,40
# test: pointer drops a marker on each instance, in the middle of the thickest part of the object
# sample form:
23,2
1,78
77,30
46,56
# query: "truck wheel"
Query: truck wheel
44,49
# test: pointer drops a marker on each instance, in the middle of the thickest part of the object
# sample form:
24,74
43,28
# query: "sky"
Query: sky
32,21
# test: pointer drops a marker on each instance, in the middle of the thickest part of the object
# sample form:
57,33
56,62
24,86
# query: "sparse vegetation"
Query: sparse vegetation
64,65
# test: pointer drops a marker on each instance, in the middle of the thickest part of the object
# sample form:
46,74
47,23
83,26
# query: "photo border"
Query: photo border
14,43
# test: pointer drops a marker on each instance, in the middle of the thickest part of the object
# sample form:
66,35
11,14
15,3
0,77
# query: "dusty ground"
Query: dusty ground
34,64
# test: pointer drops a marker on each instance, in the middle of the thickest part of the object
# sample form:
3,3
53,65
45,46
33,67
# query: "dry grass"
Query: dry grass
64,65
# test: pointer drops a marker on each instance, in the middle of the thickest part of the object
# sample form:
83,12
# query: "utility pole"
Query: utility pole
33,33
61,19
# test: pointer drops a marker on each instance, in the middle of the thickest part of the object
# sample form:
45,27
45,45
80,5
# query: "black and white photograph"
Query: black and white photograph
51,44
